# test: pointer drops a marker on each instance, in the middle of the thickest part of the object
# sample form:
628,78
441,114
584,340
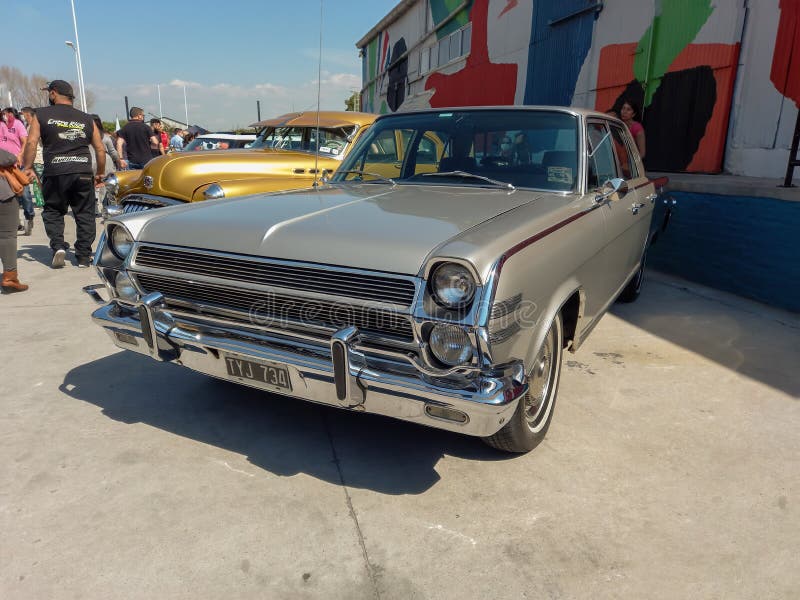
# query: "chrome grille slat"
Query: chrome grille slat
363,286
133,207
200,267
254,306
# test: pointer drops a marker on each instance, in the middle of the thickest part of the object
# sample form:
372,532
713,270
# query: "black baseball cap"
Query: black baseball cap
61,87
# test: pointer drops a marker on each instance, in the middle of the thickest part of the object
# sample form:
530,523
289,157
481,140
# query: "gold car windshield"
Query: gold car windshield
523,148
332,142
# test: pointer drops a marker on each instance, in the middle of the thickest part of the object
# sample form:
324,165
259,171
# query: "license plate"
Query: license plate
272,375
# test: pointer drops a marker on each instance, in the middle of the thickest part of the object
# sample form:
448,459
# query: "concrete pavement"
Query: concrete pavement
670,470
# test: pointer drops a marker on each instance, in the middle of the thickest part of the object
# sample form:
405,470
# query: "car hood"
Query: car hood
368,226
180,174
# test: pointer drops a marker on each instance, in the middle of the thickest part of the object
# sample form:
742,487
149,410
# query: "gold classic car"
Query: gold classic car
439,283
282,157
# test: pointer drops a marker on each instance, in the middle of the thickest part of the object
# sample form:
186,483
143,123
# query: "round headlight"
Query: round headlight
121,241
125,288
450,344
112,184
214,192
453,285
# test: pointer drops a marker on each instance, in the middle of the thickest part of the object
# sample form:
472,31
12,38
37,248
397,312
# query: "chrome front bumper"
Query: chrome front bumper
340,373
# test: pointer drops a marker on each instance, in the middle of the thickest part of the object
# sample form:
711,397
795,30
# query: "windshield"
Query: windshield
332,141
524,148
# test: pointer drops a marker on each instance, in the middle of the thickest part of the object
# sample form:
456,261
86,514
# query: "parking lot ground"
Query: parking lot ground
670,470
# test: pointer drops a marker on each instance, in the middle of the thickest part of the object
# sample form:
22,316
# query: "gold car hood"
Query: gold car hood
178,175
367,226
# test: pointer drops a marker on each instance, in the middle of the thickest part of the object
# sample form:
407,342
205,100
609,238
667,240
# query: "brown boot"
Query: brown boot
11,282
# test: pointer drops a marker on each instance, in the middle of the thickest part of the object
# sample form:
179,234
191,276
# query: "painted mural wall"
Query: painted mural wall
718,80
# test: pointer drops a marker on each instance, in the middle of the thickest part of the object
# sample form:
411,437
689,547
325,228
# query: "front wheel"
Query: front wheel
528,425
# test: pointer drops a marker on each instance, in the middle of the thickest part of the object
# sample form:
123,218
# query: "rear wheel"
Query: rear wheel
528,426
631,291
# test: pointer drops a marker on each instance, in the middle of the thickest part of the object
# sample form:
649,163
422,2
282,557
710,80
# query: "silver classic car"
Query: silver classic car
436,278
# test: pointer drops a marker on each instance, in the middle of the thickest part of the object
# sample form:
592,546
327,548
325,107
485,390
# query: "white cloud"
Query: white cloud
182,83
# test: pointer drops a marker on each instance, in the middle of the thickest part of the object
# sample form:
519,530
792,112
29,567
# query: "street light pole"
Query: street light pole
78,69
77,49
185,107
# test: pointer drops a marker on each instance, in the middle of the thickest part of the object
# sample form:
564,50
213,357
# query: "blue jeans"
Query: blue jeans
26,202
132,166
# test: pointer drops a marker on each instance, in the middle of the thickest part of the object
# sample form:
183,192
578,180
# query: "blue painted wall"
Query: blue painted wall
747,246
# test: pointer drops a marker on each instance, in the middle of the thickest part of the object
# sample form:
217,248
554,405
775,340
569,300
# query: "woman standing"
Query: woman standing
630,113
9,219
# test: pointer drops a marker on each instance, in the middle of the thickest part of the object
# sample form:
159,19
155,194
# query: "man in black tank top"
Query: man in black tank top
68,182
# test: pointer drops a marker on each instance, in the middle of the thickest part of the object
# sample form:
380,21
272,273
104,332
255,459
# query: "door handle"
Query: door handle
636,206
652,198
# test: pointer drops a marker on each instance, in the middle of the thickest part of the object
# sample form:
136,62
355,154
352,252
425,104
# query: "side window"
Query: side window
623,152
602,166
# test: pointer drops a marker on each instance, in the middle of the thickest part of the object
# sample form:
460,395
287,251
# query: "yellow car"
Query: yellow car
282,157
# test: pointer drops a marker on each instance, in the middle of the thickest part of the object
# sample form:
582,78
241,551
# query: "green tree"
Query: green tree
353,102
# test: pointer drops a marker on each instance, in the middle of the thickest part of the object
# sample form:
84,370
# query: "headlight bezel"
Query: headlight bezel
214,192
437,292
112,184
114,244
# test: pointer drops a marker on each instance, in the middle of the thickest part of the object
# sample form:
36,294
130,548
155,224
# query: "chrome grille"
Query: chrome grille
132,207
363,286
266,308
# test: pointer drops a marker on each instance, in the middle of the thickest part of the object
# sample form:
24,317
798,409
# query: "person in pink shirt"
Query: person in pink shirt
630,113
12,133
12,139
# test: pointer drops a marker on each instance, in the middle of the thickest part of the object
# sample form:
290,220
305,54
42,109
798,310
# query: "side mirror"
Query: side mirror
611,187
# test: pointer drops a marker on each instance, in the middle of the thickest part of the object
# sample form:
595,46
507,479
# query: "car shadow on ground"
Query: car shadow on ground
282,435
757,341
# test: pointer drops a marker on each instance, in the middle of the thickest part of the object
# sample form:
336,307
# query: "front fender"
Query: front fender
129,182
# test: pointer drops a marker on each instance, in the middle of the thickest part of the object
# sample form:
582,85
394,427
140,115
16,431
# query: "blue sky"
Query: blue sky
228,53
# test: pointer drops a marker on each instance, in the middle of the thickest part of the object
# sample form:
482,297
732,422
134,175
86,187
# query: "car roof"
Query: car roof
327,118
226,136
526,107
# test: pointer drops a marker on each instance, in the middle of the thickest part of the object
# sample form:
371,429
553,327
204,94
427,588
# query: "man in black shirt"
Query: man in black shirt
68,182
138,138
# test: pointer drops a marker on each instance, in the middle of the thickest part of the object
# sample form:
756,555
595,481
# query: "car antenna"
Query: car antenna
319,91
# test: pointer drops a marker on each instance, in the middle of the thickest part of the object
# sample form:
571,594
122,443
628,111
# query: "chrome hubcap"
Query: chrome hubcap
540,382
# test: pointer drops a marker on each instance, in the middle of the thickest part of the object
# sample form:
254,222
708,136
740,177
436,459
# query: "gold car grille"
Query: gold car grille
277,310
361,286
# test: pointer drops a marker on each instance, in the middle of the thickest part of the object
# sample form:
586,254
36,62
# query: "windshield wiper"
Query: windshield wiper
501,184
377,176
